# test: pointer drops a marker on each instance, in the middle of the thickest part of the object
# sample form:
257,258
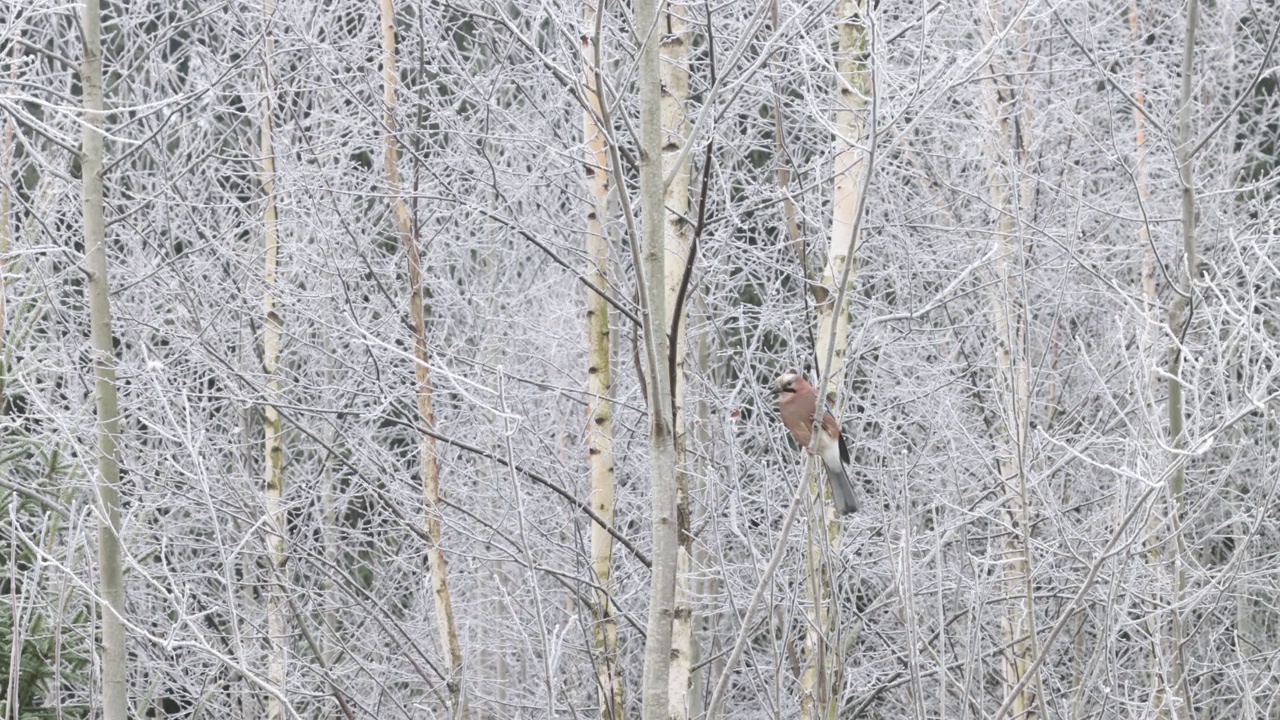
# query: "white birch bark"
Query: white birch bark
662,453
1006,150
12,704
819,678
783,174
446,627
1156,624
677,236
599,429
848,174
272,427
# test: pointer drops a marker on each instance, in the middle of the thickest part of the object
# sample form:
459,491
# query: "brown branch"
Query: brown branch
688,272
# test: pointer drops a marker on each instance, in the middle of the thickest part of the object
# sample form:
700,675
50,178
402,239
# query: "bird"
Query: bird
797,399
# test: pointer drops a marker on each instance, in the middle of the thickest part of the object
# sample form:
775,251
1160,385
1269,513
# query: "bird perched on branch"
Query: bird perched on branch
796,402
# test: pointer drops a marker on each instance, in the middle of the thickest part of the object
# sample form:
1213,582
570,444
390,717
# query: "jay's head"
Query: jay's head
787,383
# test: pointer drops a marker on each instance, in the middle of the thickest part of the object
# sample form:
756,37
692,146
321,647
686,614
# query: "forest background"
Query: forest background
412,359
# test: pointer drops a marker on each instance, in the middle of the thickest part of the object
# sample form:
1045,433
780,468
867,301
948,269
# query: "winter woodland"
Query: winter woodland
412,359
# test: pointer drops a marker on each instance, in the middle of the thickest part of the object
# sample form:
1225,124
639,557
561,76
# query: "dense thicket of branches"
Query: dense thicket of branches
1141,603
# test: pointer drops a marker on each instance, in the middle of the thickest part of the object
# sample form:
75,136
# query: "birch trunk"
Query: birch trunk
783,175
115,699
1006,151
599,381
450,650
703,585
19,593
676,238
819,677
1179,322
662,452
6,157
851,95
1156,624
272,429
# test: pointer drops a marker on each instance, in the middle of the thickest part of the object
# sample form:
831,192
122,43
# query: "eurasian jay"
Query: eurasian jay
796,402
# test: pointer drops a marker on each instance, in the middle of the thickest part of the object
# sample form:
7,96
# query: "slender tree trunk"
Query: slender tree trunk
272,426
783,174
115,698
1006,151
6,158
502,667
705,584
819,677
12,705
599,382
447,628
331,596
672,24
1156,624
1179,325
819,682
662,451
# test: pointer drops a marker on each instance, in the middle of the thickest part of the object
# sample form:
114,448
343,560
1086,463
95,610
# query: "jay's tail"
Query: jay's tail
841,490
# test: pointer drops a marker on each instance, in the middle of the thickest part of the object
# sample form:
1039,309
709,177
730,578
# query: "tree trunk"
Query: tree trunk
677,236
13,694
6,158
272,427
851,79
599,383
819,678
115,698
447,628
1179,324
662,452
783,174
1156,623
1006,150
704,585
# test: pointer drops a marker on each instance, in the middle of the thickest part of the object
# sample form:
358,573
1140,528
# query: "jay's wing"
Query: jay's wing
832,428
